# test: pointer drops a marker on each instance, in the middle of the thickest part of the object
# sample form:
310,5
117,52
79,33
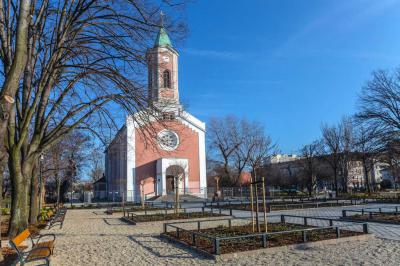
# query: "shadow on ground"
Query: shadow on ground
156,245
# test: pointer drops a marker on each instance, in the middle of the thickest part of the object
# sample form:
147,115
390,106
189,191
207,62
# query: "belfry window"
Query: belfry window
168,116
166,79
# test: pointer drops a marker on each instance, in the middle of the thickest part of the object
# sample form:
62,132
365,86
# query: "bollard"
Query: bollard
330,222
165,228
304,236
337,232
177,233
305,220
230,223
343,213
264,240
230,212
282,218
365,228
198,225
193,239
216,247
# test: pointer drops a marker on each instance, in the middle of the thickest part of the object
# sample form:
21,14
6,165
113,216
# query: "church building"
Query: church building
133,164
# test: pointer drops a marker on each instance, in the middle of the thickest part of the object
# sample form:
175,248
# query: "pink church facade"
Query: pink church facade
177,148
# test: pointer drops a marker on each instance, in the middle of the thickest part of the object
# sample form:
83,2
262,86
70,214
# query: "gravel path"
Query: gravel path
89,237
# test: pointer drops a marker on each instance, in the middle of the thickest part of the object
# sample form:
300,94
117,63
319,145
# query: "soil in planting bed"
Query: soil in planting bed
139,208
172,216
252,243
377,217
277,207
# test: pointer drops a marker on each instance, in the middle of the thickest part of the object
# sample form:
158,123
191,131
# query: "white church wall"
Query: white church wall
130,161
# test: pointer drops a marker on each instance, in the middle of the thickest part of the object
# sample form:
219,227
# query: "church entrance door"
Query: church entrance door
174,173
170,184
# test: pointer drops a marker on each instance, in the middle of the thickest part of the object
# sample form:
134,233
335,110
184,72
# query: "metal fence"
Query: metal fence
179,228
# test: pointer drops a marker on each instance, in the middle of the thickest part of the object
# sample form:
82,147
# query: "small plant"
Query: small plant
5,211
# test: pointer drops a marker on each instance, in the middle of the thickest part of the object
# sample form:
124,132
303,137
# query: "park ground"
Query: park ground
91,237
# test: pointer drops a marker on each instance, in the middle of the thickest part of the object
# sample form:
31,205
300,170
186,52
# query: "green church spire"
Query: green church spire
162,38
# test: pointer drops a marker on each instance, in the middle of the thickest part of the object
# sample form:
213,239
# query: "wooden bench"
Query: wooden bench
40,250
58,218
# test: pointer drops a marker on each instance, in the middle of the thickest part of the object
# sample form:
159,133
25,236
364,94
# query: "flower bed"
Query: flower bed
228,238
390,215
163,216
280,206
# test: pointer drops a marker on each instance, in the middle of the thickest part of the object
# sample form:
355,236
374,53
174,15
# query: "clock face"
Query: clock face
166,58
168,140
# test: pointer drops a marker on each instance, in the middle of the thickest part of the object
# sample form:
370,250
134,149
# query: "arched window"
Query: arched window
166,79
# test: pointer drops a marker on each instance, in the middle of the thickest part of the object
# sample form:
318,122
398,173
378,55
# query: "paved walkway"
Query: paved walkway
90,237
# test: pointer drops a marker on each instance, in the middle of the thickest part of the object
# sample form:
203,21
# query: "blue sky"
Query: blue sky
289,64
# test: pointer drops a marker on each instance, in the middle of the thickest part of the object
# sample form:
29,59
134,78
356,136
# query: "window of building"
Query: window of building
166,79
168,116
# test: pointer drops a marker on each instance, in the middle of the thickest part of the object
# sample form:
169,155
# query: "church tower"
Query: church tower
162,61
132,166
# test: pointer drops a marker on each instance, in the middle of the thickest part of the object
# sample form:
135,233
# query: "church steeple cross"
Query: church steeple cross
162,18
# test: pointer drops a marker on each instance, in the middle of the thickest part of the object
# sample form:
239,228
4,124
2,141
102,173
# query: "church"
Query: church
133,167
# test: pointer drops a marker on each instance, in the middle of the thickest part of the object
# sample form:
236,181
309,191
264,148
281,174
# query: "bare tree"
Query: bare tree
223,136
379,104
346,148
331,138
177,172
367,146
309,162
247,132
63,161
84,58
392,159
14,21
96,164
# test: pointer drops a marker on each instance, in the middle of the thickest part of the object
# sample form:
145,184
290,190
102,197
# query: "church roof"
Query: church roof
162,38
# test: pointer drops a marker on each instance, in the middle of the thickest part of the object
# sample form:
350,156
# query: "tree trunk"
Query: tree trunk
1,204
34,196
366,177
58,181
14,71
20,176
336,181
19,204
310,185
